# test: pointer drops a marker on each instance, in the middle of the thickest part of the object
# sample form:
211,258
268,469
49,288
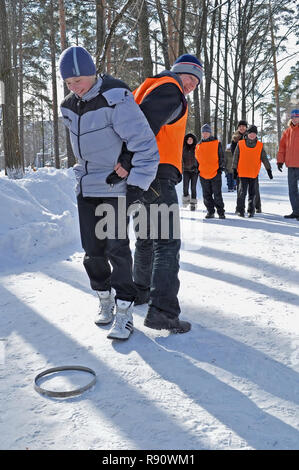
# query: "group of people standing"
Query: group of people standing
241,164
128,147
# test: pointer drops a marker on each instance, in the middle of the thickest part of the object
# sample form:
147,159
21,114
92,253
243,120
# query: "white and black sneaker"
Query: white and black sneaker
106,308
123,322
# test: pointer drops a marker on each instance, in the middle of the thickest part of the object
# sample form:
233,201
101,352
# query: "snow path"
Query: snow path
231,383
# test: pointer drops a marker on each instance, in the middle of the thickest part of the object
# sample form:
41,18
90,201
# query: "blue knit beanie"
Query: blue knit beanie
206,128
76,61
189,64
295,113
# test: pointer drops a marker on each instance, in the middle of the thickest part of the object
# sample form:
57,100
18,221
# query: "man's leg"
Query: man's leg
95,259
241,195
293,182
216,188
207,195
251,196
164,307
258,204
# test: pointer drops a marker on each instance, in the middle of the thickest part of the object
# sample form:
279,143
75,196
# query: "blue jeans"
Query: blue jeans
293,181
156,260
230,181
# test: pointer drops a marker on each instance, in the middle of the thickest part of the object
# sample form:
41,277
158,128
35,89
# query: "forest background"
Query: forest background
248,48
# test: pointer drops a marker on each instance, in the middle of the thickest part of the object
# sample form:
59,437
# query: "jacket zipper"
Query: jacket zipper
79,149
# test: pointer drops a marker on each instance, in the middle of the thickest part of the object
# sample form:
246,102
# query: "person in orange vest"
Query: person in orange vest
248,157
156,261
288,154
210,157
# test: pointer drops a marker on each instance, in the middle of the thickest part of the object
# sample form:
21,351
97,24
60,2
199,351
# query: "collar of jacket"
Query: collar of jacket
168,73
93,92
209,139
251,143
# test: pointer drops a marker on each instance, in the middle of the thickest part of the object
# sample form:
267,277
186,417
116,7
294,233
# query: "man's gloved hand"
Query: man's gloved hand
124,161
134,195
235,174
270,174
279,166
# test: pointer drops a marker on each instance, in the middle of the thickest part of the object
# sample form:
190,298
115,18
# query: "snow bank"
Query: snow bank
38,214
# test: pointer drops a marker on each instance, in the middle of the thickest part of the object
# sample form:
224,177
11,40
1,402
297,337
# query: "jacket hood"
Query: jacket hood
187,137
237,136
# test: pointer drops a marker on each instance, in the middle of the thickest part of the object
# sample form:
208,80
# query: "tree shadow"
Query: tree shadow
271,292
112,392
258,263
182,360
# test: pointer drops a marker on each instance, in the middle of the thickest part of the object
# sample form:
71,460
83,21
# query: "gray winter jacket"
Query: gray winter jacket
99,123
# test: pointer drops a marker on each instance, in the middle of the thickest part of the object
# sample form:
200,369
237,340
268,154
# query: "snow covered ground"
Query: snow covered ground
230,383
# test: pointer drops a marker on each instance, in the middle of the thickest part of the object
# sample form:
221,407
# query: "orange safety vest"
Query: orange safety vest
170,138
250,161
207,156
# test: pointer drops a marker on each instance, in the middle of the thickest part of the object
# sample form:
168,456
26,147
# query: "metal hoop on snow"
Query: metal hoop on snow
69,393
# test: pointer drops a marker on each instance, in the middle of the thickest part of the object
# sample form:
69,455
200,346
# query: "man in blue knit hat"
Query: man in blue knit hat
162,99
104,121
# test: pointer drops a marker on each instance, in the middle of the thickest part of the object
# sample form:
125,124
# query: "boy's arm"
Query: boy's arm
221,157
265,160
162,105
236,157
131,125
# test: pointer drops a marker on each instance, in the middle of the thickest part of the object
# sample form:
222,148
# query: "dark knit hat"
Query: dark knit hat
242,123
295,113
76,61
188,64
251,129
206,128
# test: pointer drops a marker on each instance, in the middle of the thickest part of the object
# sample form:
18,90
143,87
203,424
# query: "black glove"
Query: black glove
124,159
134,195
279,166
235,174
270,174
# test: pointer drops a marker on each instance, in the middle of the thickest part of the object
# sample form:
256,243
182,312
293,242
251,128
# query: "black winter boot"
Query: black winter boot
158,320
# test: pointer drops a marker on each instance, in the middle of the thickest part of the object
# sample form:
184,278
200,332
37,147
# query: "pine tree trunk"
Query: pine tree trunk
100,14
182,28
71,160
21,82
147,64
12,157
54,87
164,35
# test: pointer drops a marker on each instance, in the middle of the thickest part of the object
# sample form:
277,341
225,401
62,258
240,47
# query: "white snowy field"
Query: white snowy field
232,382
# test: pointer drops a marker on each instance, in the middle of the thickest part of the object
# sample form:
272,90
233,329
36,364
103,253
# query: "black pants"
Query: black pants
156,260
246,184
112,250
190,176
212,194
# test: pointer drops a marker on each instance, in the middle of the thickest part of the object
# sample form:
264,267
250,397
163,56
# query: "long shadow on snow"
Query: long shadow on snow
277,294
178,363
279,272
112,393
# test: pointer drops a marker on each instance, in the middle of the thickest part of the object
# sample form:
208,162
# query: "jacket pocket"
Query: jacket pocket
153,192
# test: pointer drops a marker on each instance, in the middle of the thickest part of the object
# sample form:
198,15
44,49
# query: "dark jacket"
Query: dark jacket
189,161
165,105
235,139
